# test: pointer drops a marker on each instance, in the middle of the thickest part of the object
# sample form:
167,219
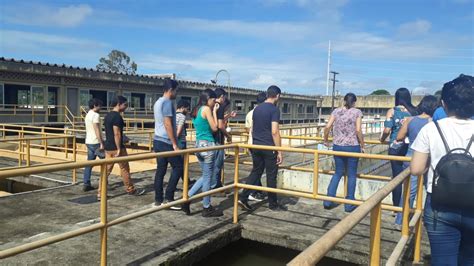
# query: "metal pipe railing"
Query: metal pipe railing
373,204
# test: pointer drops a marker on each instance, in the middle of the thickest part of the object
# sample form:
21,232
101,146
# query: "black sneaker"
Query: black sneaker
137,192
158,203
174,208
86,188
330,207
278,208
245,205
256,197
211,212
186,208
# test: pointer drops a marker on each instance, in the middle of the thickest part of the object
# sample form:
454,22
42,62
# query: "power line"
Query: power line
334,80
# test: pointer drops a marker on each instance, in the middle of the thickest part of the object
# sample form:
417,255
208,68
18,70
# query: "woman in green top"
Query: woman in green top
205,123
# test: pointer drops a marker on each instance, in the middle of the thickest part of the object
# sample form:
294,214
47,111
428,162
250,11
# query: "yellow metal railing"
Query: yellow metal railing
373,204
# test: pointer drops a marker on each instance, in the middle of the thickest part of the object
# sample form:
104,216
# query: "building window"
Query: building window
286,108
110,96
189,100
128,96
1,95
37,97
309,109
84,97
252,105
300,108
137,101
149,101
239,105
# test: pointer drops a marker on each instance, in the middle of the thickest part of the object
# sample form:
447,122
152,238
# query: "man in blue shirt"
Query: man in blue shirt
165,139
440,113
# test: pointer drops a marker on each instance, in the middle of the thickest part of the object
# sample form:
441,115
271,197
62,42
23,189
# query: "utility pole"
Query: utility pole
329,69
334,80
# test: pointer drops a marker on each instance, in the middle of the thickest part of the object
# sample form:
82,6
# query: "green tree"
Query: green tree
117,61
438,93
380,92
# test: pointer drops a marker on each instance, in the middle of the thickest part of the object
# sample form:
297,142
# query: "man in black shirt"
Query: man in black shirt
114,144
265,131
221,134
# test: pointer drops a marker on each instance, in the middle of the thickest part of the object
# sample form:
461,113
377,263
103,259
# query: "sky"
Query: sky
376,44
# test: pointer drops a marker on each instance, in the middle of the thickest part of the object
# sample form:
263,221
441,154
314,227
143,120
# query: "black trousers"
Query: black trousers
263,160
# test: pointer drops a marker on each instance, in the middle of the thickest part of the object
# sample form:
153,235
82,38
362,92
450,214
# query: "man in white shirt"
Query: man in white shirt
94,140
261,97
450,231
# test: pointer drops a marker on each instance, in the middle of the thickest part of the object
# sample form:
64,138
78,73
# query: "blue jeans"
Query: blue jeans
451,235
397,168
91,148
206,181
344,164
218,165
161,168
413,189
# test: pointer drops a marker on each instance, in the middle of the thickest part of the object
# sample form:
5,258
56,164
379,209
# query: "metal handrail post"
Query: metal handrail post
406,207
418,229
28,155
186,176
74,154
315,174
103,215
375,228
236,185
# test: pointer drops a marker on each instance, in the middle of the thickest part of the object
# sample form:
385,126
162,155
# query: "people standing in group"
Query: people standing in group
261,97
265,131
410,130
395,118
205,123
166,139
94,141
450,222
346,125
115,147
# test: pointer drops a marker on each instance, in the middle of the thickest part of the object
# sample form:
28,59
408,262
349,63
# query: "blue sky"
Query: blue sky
384,44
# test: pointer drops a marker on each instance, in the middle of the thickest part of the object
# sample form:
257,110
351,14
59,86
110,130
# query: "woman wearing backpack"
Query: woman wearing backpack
449,222
410,130
393,122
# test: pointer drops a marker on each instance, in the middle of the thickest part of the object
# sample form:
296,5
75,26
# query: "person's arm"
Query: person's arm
360,136
277,140
207,114
403,132
168,122
387,129
117,139
418,163
327,129
98,133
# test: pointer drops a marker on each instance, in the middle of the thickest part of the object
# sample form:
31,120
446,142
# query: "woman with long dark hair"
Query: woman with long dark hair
205,124
395,118
410,130
346,124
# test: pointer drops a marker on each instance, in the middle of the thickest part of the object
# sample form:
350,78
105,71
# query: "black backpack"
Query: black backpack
453,180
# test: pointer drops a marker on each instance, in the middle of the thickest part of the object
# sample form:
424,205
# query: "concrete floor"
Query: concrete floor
168,237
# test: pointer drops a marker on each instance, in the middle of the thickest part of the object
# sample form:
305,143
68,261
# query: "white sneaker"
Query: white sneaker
254,198
174,208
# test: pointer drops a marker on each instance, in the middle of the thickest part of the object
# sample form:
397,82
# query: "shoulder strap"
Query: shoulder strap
470,143
442,137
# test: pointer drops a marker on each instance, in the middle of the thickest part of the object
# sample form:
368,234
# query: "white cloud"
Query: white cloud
32,43
414,28
41,15
262,79
367,45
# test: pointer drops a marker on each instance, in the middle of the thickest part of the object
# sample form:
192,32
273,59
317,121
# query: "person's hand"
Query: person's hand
279,158
362,149
216,107
233,114
327,143
101,146
175,147
117,154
